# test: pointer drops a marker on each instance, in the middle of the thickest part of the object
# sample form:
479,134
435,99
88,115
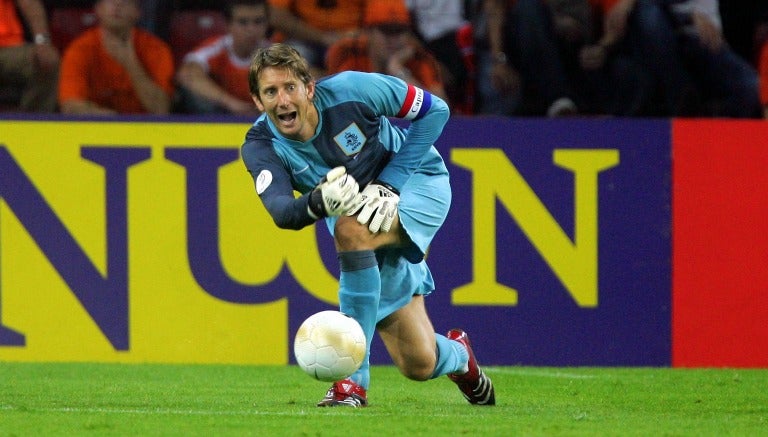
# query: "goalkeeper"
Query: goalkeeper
383,192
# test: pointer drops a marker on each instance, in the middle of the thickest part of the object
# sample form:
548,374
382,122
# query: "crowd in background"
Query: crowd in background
554,58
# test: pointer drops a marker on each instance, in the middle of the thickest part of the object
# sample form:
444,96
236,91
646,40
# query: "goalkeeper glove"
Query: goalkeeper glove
378,206
336,194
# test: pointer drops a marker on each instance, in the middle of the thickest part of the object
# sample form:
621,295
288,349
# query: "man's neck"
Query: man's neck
118,33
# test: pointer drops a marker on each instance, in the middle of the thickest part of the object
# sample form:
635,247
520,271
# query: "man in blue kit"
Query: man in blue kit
326,140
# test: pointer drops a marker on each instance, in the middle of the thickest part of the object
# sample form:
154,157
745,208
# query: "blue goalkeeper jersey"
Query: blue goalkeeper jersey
353,131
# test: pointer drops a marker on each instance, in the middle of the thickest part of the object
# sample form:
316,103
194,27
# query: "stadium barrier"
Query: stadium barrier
579,242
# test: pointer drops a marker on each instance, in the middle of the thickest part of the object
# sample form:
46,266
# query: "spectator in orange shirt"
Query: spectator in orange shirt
28,70
116,67
311,26
214,77
388,46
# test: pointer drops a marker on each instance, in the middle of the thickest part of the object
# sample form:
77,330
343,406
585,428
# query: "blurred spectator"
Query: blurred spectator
745,23
618,82
442,26
522,55
498,83
679,44
764,79
28,70
633,30
190,28
573,22
311,26
388,46
116,67
726,81
214,77
155,16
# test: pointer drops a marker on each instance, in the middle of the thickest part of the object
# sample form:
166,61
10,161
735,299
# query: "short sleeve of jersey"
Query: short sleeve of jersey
157,58
204,51
75,61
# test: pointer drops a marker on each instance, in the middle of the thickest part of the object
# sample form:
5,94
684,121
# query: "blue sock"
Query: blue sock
359,292
452,357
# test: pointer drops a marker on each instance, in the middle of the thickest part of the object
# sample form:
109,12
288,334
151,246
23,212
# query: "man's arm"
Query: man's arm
615,22
151,95
33,13
84,107
504,77
424,130
593,56
73,86
708,24
35,17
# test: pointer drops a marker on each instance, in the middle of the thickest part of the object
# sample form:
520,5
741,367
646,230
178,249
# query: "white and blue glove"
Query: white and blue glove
335,195
378,206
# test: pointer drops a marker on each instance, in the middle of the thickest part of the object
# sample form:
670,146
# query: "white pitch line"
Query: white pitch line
172,412
149,411
530,372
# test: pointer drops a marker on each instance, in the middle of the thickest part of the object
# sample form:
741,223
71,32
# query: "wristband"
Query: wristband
387,186
315,205
499,58
42,39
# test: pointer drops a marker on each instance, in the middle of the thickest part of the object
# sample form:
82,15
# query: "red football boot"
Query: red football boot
476,387
344,393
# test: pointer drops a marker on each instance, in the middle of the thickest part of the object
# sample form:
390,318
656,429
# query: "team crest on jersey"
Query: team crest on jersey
350,140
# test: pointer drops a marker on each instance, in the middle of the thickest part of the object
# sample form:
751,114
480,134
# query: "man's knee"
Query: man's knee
350,235
419,369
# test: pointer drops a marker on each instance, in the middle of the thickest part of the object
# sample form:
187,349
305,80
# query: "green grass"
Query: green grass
142,400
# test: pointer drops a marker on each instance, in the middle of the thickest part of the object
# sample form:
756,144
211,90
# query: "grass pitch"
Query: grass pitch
122,399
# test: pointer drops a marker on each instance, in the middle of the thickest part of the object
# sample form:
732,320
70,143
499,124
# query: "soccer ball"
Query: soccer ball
329,346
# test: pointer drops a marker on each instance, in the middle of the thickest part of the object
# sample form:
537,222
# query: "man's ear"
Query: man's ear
311,90
257,101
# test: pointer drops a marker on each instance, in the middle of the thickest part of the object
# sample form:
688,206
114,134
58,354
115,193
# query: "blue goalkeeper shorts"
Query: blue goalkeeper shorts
424,203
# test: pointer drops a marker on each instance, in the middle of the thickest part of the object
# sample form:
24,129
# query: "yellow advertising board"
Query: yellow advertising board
96,213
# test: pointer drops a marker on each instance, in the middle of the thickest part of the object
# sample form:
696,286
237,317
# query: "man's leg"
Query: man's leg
359,291
359,294
421,354
410,340
416,349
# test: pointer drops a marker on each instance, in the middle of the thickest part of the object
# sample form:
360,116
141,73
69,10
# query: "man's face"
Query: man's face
248,27
287,102
118,14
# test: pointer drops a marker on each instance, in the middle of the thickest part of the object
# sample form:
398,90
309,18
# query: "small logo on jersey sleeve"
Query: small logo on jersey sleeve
263,181
350,140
